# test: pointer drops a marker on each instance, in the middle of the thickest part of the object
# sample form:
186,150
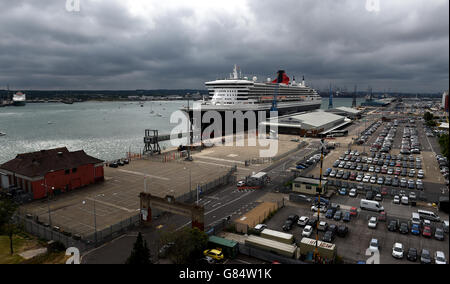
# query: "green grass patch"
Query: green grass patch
5,256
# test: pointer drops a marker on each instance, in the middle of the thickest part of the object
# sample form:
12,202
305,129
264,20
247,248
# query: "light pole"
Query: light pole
48,201
190,182
95,216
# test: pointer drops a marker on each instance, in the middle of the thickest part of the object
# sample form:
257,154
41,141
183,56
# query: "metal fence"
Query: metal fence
113,231
46,233
209,187
75,239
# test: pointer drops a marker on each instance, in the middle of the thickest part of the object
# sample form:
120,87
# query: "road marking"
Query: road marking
223,160
208,163
142,174
110,204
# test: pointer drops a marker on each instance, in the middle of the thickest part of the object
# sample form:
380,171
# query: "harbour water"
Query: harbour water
106,130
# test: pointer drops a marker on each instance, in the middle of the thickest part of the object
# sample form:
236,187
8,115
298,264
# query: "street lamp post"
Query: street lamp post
95,217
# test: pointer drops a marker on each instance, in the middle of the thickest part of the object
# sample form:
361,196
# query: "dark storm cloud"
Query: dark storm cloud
114,45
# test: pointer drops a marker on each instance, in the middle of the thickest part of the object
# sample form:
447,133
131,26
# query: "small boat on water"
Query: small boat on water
50,122
2,134
67,101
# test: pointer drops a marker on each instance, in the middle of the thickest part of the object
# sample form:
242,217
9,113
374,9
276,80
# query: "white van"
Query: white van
428,215
371,205
415,218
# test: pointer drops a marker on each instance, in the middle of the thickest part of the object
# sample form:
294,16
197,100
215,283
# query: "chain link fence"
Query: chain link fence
75,239
228,178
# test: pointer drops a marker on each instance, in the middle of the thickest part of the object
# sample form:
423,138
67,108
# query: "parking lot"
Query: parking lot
387,169
99,206
353,247
383,165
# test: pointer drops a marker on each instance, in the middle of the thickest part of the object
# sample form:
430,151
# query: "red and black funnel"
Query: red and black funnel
282,78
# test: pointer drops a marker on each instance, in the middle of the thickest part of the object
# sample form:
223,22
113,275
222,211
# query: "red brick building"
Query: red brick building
57,170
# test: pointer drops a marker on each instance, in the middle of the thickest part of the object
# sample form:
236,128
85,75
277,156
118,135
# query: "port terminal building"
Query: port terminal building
349,112
48,172
308,124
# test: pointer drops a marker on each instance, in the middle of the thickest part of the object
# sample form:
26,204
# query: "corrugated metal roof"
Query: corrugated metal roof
222,241
349,109
316,119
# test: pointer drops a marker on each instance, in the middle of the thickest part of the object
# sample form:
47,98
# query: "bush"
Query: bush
56,247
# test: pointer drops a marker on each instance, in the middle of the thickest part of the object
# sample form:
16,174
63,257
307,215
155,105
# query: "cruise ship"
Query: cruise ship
19,99
238,93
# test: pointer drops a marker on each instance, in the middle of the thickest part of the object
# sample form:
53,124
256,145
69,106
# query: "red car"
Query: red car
384,191
426,232
353,211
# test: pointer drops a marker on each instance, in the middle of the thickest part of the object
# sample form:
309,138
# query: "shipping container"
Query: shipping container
272,246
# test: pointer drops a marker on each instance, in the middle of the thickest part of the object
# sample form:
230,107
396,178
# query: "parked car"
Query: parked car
287,225
347,217
396,199
412,254
215,254
323,226
338,215
329,214
260,227
353,192
397,250
425,257
312,222
374,245
307,231
393,225
404,228
415,229
439,258
426,231
302,221
342,231
353,211
328,237
373,222
439,234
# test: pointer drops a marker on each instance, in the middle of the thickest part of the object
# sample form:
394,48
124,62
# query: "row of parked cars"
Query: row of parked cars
374,178
399,252
443,166
117,163
385,139
365,135
380,161
410,141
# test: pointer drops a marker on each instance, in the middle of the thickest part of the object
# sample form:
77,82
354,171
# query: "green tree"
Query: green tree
7,210
188,247
431,123
428,116
140,253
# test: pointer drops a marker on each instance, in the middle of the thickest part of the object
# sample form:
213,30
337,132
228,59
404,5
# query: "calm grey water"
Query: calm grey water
106,130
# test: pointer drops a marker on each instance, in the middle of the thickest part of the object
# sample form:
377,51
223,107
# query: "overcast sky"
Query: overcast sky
146,44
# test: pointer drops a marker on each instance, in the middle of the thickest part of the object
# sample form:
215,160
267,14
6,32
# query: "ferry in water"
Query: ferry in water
19,99
238,93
